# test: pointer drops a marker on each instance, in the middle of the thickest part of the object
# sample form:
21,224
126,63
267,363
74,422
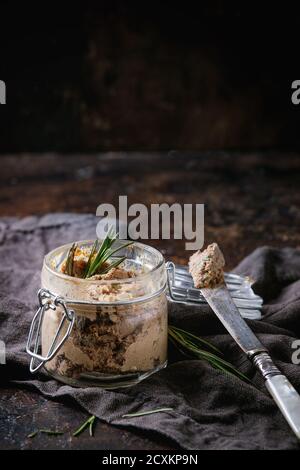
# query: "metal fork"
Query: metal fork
181,290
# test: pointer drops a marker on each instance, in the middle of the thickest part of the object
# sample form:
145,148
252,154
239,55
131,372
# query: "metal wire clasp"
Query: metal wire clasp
170,266
47,301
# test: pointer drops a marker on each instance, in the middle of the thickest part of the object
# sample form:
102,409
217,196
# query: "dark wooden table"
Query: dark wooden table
251,199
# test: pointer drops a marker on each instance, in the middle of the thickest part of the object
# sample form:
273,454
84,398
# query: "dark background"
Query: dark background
109,75
201,93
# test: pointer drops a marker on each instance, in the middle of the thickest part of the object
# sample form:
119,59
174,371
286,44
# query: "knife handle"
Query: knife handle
282,391
287,399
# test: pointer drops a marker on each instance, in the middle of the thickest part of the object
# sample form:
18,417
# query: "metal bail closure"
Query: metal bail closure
47,301
171,279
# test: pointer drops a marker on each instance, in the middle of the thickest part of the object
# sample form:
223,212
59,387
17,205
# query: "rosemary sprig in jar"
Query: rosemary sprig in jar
99,257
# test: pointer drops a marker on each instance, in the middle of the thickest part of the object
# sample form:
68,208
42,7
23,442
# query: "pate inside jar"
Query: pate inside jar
120,332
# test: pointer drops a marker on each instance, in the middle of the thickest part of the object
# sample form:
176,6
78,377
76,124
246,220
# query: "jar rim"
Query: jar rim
81,281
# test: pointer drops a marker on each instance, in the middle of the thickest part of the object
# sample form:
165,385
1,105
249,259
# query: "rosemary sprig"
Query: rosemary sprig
92,254
189,343
88,423
144,413
99,256
97,259
49,432
70,260
113,264
197,340
91,426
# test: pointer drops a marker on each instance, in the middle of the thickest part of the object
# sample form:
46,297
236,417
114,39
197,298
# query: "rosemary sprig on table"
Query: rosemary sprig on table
188,343
49,432
100,253
145,413
88,423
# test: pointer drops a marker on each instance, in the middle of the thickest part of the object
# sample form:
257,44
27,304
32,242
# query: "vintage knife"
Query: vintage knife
277,384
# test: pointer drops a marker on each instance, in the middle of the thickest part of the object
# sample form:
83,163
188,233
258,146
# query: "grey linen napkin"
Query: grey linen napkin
212,410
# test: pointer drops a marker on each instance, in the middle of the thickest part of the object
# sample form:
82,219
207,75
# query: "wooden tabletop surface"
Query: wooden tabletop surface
251,199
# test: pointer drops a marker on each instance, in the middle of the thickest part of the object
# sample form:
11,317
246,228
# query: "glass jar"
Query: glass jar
109,333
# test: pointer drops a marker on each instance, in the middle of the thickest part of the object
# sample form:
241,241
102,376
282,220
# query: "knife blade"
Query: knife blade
222,304
284,394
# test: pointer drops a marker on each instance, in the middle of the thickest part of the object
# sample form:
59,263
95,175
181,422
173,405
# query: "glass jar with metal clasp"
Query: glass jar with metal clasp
109,333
